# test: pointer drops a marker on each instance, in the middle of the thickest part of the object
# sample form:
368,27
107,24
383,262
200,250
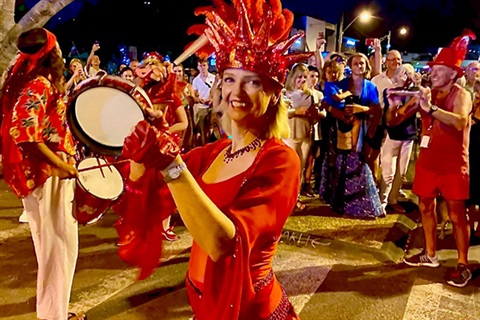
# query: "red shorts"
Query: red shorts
429,184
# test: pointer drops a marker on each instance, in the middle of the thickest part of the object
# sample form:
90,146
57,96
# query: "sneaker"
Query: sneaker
169,235
307,191
422,260
23,217
460,276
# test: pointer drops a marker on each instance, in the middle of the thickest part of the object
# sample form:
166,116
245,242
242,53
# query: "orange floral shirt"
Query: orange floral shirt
39,117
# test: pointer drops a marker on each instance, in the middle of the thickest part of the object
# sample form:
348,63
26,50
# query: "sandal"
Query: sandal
73,316
300,206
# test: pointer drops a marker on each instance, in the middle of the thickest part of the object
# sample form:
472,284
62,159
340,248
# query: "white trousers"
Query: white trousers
55,238
395,156
302,148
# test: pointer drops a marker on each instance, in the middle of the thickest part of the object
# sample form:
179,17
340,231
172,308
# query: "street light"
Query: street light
402,31
364,16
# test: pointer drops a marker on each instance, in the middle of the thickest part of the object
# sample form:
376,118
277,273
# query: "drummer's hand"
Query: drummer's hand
158,116
154,113
65,171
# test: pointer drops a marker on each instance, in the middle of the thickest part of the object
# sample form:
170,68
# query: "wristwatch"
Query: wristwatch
433,108
174,172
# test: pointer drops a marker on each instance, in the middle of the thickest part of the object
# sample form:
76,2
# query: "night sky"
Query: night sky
432,23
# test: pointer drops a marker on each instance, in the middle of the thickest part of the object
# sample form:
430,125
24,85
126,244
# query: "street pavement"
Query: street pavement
332,267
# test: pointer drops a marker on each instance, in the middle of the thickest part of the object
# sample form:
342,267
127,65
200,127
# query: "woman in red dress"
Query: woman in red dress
234,195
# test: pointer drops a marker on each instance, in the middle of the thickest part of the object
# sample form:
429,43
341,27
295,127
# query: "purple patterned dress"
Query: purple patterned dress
347,182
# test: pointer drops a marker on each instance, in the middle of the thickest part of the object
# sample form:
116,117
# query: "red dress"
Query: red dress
258,201
147,202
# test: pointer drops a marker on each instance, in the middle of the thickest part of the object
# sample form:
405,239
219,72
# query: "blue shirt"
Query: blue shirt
369,93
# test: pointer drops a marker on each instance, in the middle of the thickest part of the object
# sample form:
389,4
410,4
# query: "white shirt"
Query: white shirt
382,82
203,87
317,99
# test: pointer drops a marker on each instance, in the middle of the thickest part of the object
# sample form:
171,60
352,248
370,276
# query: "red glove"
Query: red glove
150,146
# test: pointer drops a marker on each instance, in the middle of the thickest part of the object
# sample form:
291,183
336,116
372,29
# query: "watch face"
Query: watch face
175,173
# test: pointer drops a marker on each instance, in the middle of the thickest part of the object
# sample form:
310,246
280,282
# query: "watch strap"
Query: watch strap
173,171
433,108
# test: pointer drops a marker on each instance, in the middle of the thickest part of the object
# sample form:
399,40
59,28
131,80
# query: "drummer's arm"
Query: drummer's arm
41,151
182,122
212,230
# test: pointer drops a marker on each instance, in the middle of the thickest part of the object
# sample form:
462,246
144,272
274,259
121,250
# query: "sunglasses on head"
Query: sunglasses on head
338,59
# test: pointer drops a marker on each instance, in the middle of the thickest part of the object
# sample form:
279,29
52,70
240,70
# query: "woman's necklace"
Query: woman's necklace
229,155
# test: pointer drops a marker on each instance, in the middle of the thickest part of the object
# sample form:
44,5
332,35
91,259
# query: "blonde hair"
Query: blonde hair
368,66
275,119
294,73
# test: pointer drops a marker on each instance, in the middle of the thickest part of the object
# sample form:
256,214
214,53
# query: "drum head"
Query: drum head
107,115
104,183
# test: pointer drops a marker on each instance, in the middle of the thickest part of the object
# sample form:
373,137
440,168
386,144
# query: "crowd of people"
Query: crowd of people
233,152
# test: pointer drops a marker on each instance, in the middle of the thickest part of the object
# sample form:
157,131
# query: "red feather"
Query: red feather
460,43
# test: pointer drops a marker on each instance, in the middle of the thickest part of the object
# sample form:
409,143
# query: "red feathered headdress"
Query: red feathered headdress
251,35
454,55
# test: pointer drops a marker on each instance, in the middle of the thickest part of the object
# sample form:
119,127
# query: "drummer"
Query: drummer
38,165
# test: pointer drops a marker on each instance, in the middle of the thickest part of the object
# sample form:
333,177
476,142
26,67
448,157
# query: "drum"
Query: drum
103,110
96,190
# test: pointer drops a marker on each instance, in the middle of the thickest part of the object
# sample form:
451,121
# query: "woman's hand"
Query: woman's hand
149,146
355,108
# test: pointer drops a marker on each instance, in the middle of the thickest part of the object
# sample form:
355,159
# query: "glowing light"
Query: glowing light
403,31
365,16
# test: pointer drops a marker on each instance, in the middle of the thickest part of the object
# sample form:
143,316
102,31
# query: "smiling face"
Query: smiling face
301,79
246,95
472,71
128,75
178,70
312,79
442,76
359,65
393,60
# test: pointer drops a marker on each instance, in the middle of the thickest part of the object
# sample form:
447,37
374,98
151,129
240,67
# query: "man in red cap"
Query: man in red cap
442,165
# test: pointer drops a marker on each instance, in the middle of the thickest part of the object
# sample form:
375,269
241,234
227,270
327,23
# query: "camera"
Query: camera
369,42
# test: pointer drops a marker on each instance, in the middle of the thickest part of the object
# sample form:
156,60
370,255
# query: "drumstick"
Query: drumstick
101,165
197,44
101,171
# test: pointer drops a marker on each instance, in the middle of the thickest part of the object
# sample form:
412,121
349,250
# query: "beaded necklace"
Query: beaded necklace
229,155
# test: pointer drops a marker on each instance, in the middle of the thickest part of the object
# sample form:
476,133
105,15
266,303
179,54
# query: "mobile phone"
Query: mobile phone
369,42
97,42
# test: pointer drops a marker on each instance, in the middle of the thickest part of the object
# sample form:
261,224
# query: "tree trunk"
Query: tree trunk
34,18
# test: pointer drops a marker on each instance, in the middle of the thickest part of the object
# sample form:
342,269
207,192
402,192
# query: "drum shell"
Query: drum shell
89,207
137,94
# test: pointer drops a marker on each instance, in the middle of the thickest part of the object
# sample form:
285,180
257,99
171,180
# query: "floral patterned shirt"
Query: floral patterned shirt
39,117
